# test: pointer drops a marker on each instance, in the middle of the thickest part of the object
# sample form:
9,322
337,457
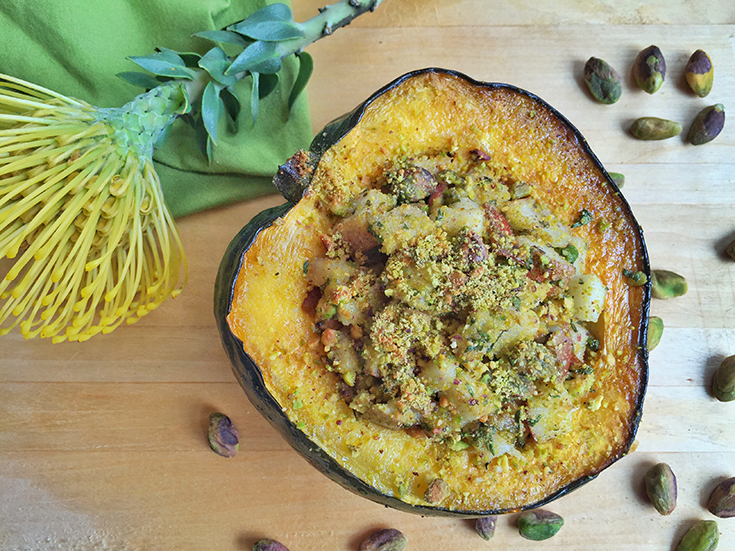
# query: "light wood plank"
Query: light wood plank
102,445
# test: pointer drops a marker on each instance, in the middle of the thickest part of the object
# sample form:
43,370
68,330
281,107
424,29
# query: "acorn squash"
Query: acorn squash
449,315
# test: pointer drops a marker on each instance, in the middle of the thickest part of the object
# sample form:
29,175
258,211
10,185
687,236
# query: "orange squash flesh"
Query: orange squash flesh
433,111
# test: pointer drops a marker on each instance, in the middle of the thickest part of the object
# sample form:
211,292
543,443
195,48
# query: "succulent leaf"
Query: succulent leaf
268,67
272,23
163,64
306,68
226,37
212,109
216,62
255,96
136,78
256,53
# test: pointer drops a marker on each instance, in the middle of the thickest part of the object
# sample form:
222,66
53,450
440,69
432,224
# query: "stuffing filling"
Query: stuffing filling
453,305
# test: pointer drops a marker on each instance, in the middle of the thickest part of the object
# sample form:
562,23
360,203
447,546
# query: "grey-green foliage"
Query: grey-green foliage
255,49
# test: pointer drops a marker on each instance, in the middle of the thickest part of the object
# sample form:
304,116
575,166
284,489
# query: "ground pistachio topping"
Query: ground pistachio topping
454,308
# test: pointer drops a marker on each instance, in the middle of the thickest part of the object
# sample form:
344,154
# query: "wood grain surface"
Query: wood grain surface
103,445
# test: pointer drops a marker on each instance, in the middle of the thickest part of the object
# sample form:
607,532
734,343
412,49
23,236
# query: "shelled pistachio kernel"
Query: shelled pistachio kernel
655,332
654,128
539,524
661,488
722,500
700,73
703,536
667,284
723,383
649,69
603,81
223,435
707,125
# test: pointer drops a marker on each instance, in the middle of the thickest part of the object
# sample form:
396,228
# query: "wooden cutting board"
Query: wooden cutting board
103,446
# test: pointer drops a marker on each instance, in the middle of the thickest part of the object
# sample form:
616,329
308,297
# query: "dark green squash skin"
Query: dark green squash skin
250,377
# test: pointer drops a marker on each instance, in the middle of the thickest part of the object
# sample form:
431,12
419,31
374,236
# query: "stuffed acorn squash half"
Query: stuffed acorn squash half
449,316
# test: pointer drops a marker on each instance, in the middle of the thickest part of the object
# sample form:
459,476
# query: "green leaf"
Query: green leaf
268,83
136,78
255,54
212,109
270,67
271,31
190,59
226,37
163,64
232,106
255,96
216,62
271,23
306,68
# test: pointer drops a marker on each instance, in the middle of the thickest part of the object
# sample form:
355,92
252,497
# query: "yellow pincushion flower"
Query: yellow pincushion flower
83,222
82,215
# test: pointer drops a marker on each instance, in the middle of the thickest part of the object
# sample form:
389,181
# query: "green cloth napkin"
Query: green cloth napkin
76,47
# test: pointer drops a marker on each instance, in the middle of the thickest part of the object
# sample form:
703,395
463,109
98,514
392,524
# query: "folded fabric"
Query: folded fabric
76,48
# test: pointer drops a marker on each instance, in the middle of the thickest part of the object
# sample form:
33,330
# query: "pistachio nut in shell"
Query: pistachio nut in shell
649,69
723,383
661,488
223,436
722,501
655,331
269,545
700,73
485,526
387,539
539,524
703,536
654,128
707,125
602,80
667,284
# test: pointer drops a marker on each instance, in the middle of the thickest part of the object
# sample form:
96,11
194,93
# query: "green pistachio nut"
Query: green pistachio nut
723,383
485,527
649,69
618,179
666,284
654,128
539,524
700,73
722,501
388,539
655,331
707,125
602,80
661,488
269,545
703,536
